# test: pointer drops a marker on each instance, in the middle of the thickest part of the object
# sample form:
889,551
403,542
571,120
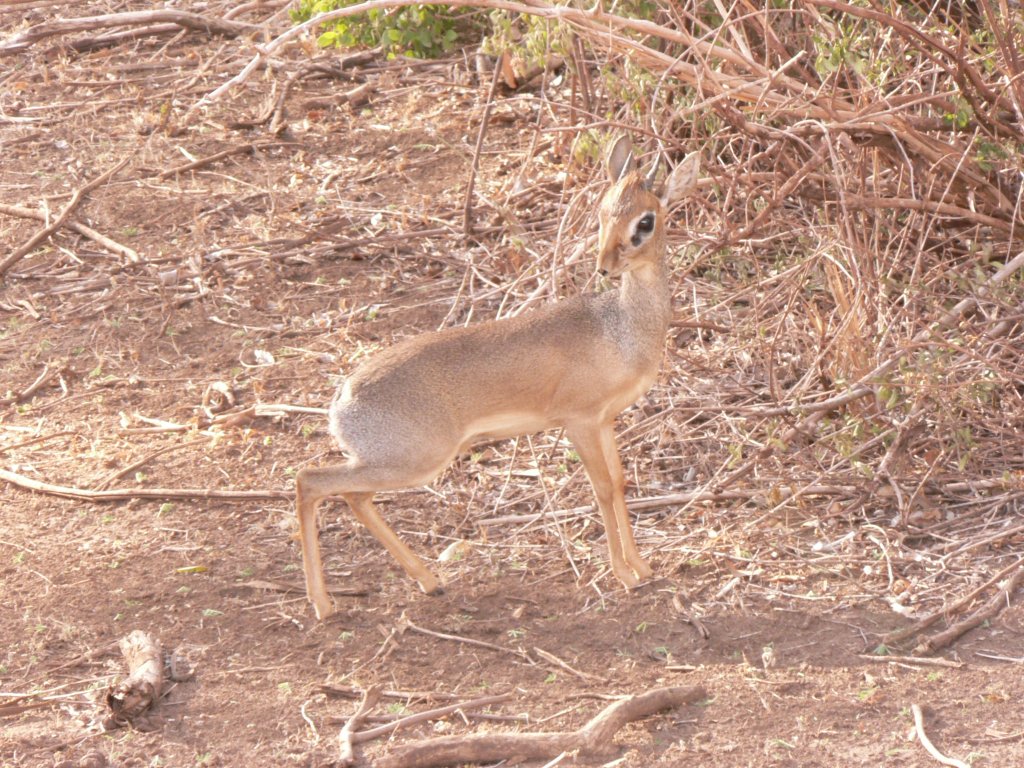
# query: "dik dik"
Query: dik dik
403,416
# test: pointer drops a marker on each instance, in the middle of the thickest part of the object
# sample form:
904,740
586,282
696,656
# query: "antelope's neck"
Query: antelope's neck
645,297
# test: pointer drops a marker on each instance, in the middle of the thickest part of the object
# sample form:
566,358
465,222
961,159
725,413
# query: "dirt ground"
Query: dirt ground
273,271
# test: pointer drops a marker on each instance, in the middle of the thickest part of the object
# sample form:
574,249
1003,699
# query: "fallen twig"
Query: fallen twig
550,657
927,744
346,752
14,710
123,494
73,203
31,389
37,440
467,210
430,714
97,237
948,610
593,738
986,612
467,641
204,161
947,663
182,19
118,474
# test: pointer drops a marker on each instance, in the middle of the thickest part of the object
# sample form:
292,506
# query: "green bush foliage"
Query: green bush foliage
420,30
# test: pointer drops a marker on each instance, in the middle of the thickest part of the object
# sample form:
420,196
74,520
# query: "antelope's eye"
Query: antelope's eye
644,227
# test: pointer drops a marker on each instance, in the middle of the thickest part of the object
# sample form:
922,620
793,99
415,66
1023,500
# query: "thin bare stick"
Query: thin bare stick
36,440
73,203
14,710
97,237
999,601
204,161
31,389
947,663
346,749
118,474
947,610
550,657
594,738
183,19
927,744
467,641
467,210
119,494
430,714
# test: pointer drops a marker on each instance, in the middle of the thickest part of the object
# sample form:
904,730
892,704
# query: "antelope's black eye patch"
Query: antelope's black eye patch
644,227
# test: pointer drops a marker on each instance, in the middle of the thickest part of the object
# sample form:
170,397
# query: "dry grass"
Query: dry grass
849,340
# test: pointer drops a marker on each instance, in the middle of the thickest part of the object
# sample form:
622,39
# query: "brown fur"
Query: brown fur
403,416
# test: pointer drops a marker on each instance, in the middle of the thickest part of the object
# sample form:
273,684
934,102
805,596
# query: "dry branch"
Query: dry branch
130,698
124,494
952,608
466,641
41,380
948,664
998,602
119,473
594,738
467,209
926,742
346,752
73,203
242,149
428,715
182,19
111,245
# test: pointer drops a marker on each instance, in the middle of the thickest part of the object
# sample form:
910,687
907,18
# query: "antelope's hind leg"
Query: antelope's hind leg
365,512
312,485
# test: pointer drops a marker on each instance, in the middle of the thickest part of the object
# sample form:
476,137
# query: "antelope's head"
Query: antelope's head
632,212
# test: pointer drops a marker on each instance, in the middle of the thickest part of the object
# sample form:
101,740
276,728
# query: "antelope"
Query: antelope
403,416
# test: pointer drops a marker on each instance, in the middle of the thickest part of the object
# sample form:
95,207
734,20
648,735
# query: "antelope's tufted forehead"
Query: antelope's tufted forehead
628,196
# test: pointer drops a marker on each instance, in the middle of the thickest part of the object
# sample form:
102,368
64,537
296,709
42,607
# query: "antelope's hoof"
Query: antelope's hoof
323,609
643,571
432,587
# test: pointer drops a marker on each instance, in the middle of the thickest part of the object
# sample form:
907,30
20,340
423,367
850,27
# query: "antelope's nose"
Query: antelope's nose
603,272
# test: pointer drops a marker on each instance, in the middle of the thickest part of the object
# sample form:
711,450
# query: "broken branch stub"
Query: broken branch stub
130,698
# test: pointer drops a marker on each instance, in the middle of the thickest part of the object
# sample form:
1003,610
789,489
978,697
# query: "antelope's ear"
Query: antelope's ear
682,180
619,160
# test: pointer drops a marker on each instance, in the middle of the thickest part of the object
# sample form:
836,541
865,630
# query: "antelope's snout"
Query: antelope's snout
609,257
